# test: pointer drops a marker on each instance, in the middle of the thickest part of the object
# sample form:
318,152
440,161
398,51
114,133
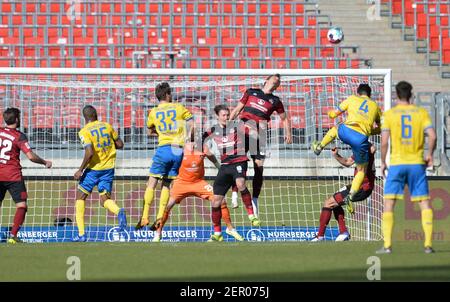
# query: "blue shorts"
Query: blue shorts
413,175
103,179
358,141
166,162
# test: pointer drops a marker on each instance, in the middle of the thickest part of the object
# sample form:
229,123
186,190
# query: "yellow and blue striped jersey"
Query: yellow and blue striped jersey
101,136
362,112
169,120
406,124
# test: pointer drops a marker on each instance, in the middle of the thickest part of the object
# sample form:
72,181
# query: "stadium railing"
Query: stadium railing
425,23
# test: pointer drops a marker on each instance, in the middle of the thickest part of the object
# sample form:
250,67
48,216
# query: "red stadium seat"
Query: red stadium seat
71,116
297,116
43,117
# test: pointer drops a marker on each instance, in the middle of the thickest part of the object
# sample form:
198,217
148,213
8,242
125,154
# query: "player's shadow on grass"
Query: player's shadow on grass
418,273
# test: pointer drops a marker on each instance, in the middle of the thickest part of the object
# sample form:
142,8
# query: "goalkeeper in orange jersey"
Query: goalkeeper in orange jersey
190,182
362,114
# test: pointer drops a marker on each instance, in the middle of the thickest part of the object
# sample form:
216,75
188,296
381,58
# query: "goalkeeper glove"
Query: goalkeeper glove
332,114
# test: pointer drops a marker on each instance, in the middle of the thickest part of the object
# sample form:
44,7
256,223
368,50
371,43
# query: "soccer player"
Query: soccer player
362,114
334,203
405,126
173,124
254,109
230,140
100,141
12,141
190,182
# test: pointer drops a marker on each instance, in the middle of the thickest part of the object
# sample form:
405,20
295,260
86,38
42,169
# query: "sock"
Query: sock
216,215
357,182
257,181
148,199
329,137
325,216
247,200
255,205
340,218
427,225
19,218
226,215
163,200
163,220
79,216
111,206
388,226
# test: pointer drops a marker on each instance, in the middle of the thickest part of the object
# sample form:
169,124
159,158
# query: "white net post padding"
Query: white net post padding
296,181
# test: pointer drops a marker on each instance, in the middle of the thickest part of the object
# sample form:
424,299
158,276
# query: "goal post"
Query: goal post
296,181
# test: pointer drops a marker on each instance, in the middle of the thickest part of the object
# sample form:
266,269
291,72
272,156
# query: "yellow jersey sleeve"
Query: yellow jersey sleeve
184,113
385,121
344,105
426,120
150,120
85,138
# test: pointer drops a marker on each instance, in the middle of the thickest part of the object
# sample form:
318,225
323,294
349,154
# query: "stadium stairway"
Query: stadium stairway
384,45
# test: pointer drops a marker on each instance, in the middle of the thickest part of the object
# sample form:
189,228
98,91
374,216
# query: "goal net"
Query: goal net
296,181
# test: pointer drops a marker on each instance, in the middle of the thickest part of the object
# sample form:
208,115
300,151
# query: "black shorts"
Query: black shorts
256,144
17,190
361,195
226,177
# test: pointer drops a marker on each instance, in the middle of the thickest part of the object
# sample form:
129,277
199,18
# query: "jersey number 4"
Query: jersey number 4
364,107
5,146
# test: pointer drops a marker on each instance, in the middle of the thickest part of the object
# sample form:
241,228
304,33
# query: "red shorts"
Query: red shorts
182,189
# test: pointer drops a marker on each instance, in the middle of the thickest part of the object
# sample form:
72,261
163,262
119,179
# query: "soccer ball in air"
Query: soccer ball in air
335,35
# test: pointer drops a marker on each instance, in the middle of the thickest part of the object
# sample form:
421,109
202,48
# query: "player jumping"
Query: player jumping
12,141
254,109
362,114
190,182
229,137
173,123
334,203
100,141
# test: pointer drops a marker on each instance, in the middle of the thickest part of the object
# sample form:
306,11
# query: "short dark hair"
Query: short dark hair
11,115
219,108
274,75
162,90
89,112
404,90
364,89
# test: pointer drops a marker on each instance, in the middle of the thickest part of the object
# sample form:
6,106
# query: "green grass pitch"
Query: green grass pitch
345,261
278,261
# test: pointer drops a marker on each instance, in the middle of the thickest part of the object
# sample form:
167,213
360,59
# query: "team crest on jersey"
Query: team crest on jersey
261,102
194,165
224,139
239,169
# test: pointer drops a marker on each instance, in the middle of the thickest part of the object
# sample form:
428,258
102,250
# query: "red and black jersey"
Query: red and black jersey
369,178
259,106
230,141
11,142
